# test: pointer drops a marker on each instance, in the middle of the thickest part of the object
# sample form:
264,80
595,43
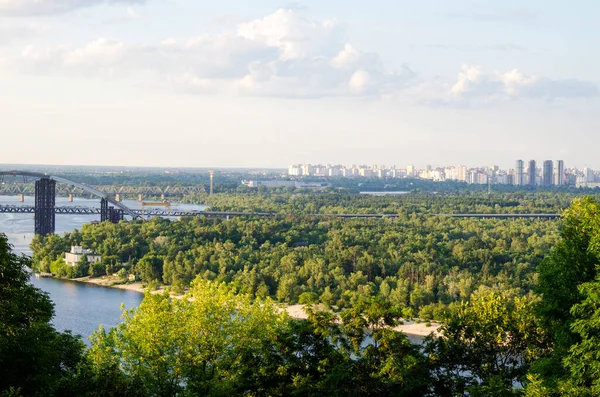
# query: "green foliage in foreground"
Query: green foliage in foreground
35,359
214,342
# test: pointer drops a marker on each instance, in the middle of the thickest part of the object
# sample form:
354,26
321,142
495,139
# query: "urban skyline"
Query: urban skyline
551,173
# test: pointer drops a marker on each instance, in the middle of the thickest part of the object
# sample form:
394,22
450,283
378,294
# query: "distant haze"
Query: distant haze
264,84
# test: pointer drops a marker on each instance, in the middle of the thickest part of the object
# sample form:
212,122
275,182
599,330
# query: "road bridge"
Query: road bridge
45,200
131,191
159,212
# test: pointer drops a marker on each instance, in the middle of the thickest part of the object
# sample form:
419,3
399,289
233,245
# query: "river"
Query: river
79,307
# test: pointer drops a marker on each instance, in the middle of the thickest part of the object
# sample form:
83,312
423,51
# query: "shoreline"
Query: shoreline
410,328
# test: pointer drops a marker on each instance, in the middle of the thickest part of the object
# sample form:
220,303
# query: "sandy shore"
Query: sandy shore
408,327
295,311
113,282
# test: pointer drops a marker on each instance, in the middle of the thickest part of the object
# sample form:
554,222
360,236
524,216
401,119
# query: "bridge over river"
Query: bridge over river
113,210
156,212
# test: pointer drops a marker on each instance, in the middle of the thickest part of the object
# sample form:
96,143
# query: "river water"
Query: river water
79,307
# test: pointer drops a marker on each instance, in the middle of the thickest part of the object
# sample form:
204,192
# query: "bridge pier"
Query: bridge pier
103,210
117,198
140,197
70,197
114,215
45,201
21,198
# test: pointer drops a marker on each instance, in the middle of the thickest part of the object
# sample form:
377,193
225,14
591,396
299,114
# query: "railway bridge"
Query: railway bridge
45,200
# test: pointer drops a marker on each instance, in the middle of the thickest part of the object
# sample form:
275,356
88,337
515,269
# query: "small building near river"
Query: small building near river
74,257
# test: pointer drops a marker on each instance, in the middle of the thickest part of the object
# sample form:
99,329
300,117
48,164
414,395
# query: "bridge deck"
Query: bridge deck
75,210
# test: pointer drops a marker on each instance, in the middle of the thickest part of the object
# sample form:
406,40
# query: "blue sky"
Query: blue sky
270,83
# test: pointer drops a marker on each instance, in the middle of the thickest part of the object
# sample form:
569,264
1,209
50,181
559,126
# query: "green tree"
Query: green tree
487,346
573,262
203,344
34,357
583,360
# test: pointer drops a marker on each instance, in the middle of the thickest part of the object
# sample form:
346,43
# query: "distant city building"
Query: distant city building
589,175
547,173
73,257
532,173
519,179
295,170
462,173
551,173
560,173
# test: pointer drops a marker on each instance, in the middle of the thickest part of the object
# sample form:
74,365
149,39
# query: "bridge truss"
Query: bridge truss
45,199
158,212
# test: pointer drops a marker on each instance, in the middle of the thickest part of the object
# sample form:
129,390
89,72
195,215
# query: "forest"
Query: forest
420,263
534,337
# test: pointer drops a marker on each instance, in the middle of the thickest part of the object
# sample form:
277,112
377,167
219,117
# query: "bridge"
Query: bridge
111,190
143,213
156,212
45,200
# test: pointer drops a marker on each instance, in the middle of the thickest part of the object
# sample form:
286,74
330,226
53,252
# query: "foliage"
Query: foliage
413,261
35,359
487,346
572,263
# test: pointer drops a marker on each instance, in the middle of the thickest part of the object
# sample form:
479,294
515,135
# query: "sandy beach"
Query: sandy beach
113,282
408,327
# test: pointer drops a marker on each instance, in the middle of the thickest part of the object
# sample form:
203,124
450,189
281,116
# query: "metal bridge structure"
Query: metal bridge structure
45,200
140,213
158,212
111,190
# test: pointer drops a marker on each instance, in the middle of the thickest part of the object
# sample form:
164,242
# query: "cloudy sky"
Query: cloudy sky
268,83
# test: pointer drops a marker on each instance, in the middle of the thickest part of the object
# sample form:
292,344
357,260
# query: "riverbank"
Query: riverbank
114,282
414,328
409,327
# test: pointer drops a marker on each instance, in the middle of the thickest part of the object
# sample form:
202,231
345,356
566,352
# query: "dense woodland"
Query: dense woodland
519,302
421,263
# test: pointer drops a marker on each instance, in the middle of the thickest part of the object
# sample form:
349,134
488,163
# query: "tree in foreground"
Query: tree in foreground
203,344
486,349
214,342
569,306
35,359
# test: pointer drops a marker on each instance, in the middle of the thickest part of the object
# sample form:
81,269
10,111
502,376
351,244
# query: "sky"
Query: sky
237,83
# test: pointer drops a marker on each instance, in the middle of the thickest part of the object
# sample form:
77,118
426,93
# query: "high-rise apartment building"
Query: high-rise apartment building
588,174
462,173
410,170
547,173
560,173
519,179
531,173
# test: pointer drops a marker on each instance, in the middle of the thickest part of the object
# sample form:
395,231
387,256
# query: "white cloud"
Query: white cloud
49,7
474,86
294,36
285,55
282,54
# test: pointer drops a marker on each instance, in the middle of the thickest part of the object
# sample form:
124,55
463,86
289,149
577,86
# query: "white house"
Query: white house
74,257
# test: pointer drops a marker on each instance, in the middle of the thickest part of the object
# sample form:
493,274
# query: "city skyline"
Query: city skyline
547,175
246,84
